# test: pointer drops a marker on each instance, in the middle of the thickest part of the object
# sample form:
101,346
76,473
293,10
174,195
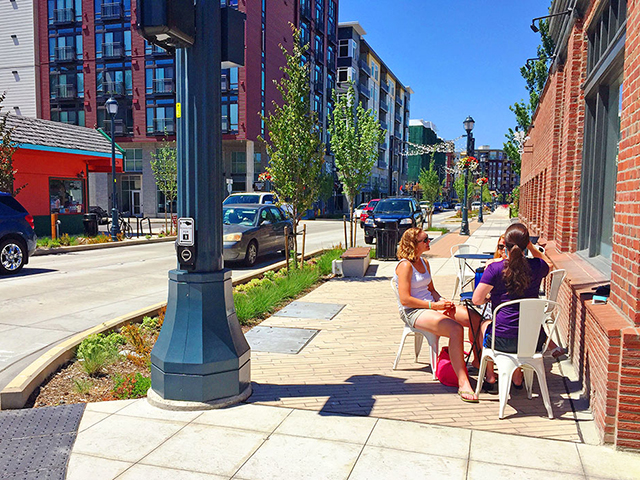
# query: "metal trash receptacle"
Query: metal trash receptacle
387,241
90,223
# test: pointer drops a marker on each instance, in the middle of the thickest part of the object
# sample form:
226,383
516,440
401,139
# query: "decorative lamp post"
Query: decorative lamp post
468,126
481,182
112,109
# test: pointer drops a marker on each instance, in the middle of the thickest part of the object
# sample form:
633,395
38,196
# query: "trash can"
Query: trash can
90,223
387,241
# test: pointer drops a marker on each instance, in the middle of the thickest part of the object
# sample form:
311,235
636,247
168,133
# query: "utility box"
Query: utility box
167,23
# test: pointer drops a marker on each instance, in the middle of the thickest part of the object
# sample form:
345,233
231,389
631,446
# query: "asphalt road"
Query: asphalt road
57,296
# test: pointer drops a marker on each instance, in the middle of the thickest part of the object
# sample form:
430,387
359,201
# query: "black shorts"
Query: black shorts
510,345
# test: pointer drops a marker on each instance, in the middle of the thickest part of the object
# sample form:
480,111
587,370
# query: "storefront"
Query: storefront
54,161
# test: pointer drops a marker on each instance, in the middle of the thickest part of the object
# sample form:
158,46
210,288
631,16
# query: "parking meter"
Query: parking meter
186,243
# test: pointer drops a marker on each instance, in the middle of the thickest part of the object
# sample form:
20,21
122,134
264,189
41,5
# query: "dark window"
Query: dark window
12,203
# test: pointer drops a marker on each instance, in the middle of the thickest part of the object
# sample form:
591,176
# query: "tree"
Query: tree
355,134
458,185
431,188
325,187
7,149
295,148
165,171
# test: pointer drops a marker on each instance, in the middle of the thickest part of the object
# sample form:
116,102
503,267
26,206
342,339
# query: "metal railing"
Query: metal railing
112,50
113,88
384,86
118,126
364,67
383,124
63,15
111,11
65,91
398,117
163,85
162,125
384,106
364,90
65,54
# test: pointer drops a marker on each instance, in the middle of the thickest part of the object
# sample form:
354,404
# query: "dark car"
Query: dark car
437,207
404,211
250,230
17,238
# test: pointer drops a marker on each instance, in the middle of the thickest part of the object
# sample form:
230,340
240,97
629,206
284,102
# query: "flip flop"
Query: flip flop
468,400
490,388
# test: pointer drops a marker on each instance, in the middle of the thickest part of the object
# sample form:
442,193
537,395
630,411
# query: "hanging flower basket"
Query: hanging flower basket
482,181
468,162
264,176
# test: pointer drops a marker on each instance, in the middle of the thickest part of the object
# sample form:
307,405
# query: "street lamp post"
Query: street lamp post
483,159
468,126
112,109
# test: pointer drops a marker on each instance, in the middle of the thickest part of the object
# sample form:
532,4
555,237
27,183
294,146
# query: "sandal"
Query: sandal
490,387
468,400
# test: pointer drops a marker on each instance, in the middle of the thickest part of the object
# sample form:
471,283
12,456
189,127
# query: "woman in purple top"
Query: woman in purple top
511,279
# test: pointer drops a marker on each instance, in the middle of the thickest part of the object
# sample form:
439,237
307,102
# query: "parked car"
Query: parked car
457,207
446,205
367,210
437,207
358,210
251,230
17,236
475,206
405,211
262,198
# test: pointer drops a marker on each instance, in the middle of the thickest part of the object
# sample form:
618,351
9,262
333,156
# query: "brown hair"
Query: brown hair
516,273
498,253
408,243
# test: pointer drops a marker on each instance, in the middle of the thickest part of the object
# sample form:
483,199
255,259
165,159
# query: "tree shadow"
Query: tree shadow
26,272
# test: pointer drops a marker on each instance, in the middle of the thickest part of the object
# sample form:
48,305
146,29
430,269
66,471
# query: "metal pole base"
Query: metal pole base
464,229
157,401
201,354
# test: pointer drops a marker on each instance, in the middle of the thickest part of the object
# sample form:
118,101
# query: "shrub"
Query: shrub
66,240
138,342
148,237
101,238
151,323
82,385
326,259
97,351
131,386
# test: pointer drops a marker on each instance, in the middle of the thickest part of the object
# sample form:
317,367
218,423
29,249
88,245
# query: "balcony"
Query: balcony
64,91
364,67
398,117
63,15
383,124
118,125
162,125
305,9
111,11
399,100
319,86
112,50
113,88
364,90
384,106
384,86
320,24
383,146
319,56
65,54
163,85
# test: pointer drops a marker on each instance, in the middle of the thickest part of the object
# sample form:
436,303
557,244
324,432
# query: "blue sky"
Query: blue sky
460,57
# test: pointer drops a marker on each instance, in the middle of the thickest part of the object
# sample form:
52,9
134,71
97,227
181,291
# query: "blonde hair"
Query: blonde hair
408,243
498,253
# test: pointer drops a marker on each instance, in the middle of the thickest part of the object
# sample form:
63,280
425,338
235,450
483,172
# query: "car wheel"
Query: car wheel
252,254
290,243
368,240
13,256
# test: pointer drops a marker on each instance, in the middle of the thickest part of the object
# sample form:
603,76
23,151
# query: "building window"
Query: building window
319,14
64,11
65,48
319,48
239,171
305,36
317,76
66,195
71,115
131,186
229,114
161,117
347,48
331,19
133,160
331,57
160,77
317,106
229,79
116,82
257,166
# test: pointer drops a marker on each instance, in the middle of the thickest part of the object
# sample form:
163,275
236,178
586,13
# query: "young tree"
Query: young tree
295,147
355,134
431,188
7,149
165,171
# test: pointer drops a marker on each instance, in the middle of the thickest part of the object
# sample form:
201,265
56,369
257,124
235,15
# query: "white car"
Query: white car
475,206
261,198
358,210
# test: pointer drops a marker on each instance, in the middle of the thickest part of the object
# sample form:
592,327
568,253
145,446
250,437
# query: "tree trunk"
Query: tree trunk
295,237
430,218
351,244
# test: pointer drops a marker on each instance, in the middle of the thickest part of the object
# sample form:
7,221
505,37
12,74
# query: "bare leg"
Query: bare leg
472,321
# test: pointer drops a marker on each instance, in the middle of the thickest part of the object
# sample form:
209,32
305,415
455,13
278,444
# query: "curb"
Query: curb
98,246
17,392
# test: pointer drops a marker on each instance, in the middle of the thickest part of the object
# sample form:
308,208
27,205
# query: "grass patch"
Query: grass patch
442,230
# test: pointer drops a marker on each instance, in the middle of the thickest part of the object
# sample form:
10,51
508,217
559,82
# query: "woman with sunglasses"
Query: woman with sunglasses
511,278
426,309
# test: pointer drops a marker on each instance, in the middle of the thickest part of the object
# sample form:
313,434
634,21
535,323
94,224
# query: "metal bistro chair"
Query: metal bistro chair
533,313
432,339
557,277
463,273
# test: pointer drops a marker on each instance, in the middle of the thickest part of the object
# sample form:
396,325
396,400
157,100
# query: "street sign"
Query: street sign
186,232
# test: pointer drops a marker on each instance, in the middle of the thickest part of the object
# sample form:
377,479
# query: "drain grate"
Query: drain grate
319,311
279,339
36,443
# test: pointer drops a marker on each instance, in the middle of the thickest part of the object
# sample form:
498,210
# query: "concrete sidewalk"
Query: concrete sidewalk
337,409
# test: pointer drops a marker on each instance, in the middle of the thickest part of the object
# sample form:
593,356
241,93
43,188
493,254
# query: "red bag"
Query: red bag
444,369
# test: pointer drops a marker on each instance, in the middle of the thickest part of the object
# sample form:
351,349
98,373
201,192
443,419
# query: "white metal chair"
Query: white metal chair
533,312
432,339
464,274
557,277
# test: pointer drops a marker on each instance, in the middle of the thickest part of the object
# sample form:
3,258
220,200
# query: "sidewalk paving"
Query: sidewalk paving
337,410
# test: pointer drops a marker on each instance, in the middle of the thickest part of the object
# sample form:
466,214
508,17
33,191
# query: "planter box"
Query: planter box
355,261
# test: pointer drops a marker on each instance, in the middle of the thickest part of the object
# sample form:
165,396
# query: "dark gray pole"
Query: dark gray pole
391,155
115,228
201,354
480,216
464,227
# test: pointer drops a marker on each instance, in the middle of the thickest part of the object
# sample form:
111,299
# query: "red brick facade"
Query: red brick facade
603,340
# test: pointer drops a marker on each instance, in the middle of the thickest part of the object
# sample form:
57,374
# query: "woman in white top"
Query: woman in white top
426,309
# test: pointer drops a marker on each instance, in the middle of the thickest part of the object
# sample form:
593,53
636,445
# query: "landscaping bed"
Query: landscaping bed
117,365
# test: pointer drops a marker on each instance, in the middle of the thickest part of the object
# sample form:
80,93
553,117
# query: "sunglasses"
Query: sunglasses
501,247
426,240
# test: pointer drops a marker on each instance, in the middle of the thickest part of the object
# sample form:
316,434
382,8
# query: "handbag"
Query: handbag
444,369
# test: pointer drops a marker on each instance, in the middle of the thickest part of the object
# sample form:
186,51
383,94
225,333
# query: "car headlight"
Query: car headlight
369,221
406,221
232,237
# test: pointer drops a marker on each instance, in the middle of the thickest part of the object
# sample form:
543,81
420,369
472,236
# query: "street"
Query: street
56,296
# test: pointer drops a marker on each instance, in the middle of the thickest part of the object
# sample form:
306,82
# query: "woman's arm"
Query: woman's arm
481,293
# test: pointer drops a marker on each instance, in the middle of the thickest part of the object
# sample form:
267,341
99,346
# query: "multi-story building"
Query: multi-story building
424,133
87,51
498,169
18,72
379,89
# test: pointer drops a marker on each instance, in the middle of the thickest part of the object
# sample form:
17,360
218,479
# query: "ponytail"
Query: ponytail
517,272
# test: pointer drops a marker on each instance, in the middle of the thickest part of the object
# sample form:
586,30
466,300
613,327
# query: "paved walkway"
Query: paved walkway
337,410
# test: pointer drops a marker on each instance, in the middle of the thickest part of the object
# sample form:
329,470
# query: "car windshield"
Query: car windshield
240,216
372,204
393,206
241,199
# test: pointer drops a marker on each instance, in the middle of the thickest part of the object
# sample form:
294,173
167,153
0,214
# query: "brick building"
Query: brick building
581,192
499,171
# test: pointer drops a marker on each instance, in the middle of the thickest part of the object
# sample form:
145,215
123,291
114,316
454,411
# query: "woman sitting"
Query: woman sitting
425,308
513,278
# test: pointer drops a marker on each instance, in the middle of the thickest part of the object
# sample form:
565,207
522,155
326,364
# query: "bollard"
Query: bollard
304,236
54,226
344,220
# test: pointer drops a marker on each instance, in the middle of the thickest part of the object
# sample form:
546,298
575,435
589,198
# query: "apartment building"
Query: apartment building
498,169
19,74
423,133
379,89
87,51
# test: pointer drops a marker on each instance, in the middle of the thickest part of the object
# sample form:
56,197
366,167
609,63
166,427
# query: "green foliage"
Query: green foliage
295,147
442,230
133,385
97,351
355,134
514,208
67,240
324,263
82,385
7,149
101,238
326,186
431,188
165,172
458,185
151,323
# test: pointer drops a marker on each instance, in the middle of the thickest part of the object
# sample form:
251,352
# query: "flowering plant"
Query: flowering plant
264,176
482,181
468,162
